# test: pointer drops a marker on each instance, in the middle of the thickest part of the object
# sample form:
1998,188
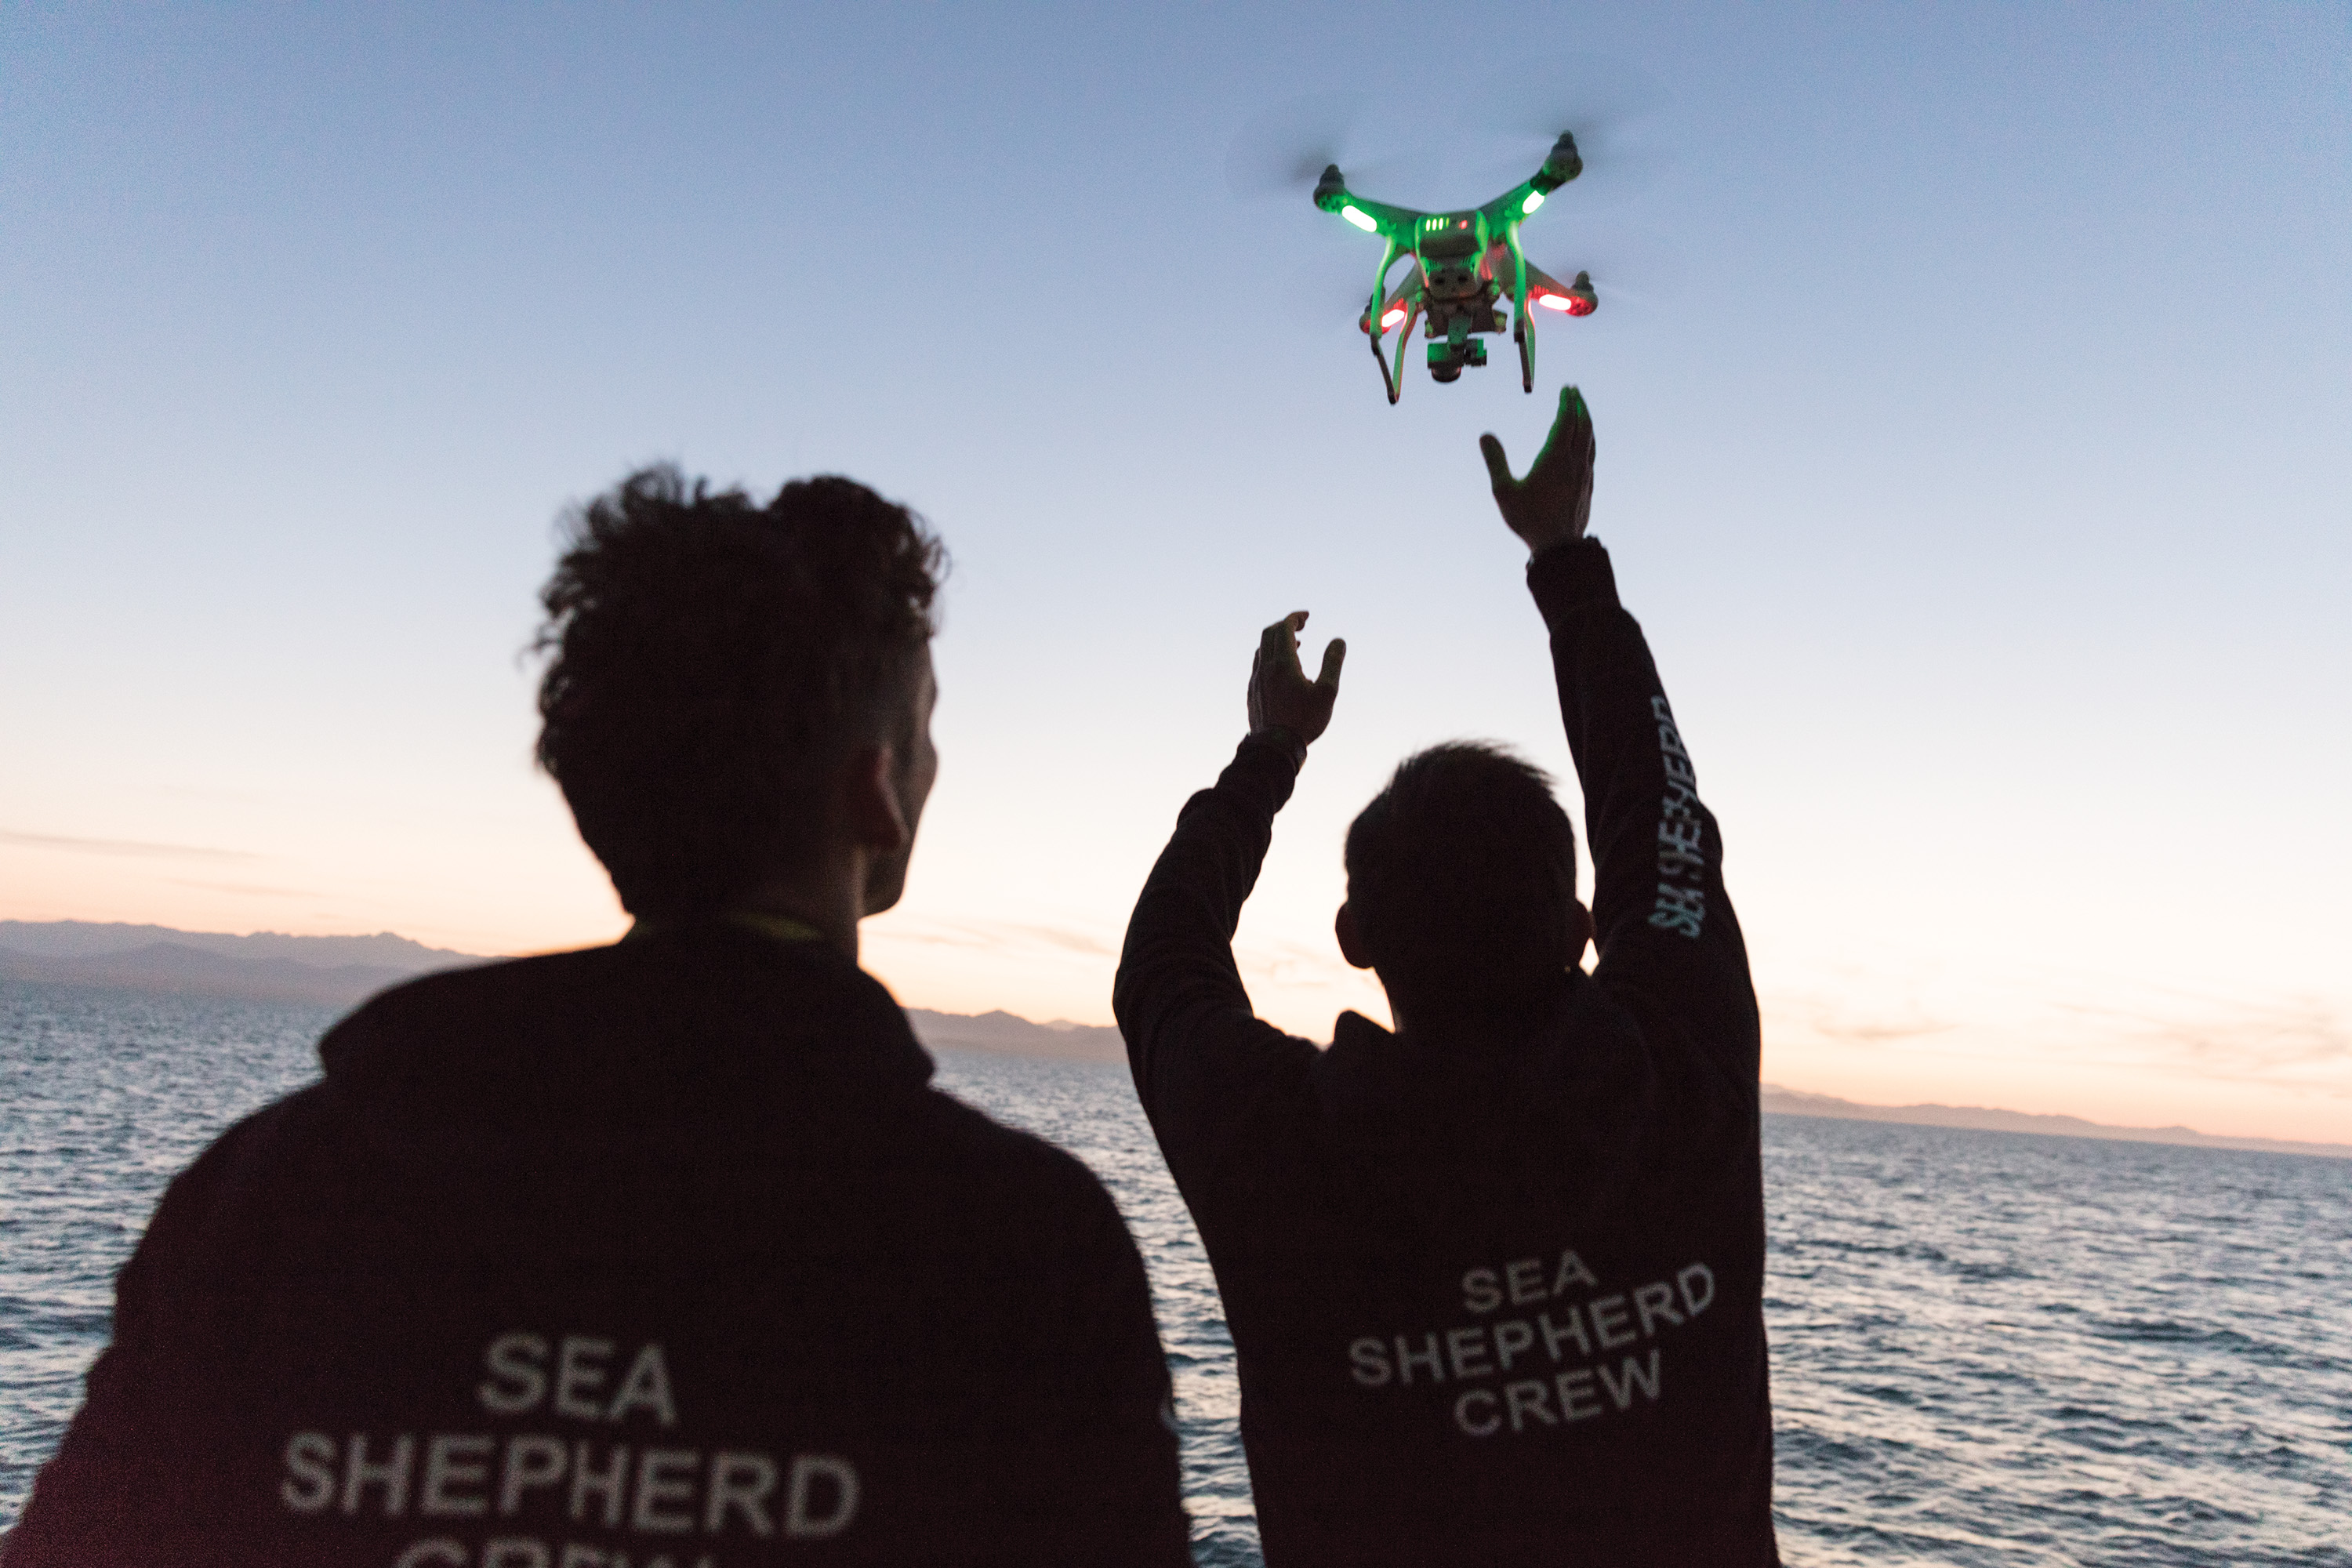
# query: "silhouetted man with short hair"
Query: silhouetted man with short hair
1495,1280
662,1252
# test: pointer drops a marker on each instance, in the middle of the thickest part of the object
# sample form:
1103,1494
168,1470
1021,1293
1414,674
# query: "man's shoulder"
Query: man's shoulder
1707,1051
711,1021
1604,1069
452,1026
478,987
252,1165
937,1143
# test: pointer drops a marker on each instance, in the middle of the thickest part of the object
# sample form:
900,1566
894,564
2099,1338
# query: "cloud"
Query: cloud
2286,1042
2300,1040
1058,936
1834,1018
994,936
1875,1031
1292,965
121,846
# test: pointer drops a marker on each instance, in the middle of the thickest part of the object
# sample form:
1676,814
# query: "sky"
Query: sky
1972,386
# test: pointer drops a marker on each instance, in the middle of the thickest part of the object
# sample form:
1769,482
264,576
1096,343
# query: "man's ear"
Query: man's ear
870,811
1579,934
1352,942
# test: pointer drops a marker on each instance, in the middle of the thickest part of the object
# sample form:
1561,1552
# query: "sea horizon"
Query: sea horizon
344,970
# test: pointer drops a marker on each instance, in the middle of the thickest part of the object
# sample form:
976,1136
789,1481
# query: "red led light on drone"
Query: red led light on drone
1555,302
1395,314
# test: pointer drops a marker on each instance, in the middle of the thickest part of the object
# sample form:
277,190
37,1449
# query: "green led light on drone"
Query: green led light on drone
1360,218
1534,200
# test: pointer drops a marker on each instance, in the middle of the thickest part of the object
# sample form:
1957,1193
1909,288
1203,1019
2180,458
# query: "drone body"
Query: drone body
1464,264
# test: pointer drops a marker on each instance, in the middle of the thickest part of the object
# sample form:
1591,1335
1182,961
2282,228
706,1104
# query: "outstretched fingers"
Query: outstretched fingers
1572,430
1280,640
1498,467
1280,695
1334,654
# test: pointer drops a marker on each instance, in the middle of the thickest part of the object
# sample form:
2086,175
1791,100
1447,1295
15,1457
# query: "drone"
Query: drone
1463,265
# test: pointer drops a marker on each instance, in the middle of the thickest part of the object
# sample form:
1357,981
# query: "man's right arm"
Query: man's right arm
1662,921
1661,916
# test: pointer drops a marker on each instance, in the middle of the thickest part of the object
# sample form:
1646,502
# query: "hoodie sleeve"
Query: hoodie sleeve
1664,922
1217,1081
1121,1498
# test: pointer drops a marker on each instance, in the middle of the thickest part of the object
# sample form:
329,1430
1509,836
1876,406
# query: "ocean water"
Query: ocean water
1988,1348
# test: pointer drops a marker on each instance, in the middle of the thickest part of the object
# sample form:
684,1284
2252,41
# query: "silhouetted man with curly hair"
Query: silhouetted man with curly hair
664,1252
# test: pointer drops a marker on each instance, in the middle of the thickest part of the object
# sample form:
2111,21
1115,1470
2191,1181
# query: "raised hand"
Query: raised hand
1280,695
1553,503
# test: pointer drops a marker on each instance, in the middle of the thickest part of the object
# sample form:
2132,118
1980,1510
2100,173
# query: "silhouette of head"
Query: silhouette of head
716,663
1462,880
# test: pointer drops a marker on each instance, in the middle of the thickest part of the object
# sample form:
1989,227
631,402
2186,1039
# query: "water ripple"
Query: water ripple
1988,1348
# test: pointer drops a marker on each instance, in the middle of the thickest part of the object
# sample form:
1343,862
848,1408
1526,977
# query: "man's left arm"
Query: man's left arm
1199,1053
1116,1496
131,1481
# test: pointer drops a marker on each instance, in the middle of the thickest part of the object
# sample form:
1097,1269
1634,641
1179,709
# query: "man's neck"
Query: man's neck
1506,1008
830,905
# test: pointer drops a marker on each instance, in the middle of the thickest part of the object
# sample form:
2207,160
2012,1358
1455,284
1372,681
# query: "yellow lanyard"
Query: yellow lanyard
776,928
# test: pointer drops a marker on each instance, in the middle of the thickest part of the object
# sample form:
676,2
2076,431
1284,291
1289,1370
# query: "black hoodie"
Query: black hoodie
660,1251
1495,1284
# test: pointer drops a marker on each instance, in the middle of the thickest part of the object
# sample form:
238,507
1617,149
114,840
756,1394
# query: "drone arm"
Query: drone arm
1395,224
1561,166
1576,299
1511,208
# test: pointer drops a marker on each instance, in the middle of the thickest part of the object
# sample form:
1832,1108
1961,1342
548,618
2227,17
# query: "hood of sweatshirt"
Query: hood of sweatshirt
702,1042
1548,1108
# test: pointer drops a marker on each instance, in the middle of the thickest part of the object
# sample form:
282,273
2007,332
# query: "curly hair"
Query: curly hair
713,660
1462,872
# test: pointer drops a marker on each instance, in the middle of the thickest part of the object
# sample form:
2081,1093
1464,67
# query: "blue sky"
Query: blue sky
1970,381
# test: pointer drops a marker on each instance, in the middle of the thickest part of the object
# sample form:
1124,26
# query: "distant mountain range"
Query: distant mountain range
185,971
88,939
1985,1118
331,971
1004,1034
342,970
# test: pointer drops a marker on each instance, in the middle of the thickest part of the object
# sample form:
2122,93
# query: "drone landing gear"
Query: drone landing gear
1392,377
1523,333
